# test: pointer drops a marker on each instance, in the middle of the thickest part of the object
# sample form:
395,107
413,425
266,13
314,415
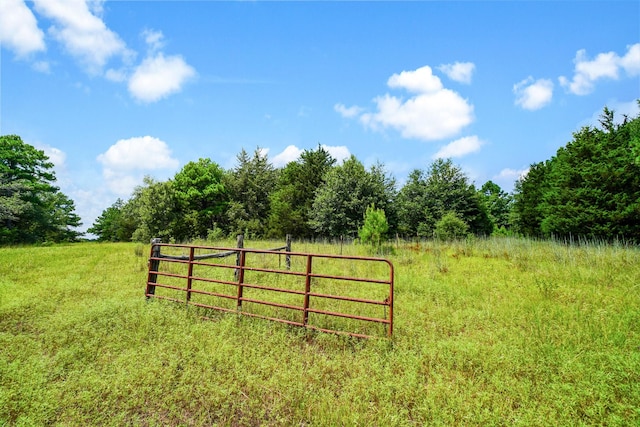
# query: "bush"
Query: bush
451,227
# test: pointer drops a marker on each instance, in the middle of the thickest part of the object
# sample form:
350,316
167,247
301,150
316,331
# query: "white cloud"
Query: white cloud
507,177
125,162
158,77
154,39
338,152
434,112
428,116
533,94
289,154
604,66
82,33
347,112
144,152
460,71
421,80
460,147
55,155
19,29
631,61
512,174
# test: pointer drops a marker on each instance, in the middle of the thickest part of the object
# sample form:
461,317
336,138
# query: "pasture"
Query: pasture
486,332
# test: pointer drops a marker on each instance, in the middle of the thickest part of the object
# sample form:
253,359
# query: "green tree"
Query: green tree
412,203
590,188
340,203
451,227
155,209
250,185
32,209
528,193
201,196
498,204
594,184
292,202
110,226
375,226
428,196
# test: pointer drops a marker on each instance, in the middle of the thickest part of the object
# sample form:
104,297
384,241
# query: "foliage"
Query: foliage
590,188
156,211
32,209
250,185
451,227
201,196
292,201
375,226
429,195
108,226
498,204
340,203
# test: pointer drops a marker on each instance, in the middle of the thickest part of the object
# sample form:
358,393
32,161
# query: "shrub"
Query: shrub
451,227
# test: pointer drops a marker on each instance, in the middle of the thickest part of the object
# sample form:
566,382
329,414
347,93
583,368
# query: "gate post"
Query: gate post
287,257
154,264
239,245
307,290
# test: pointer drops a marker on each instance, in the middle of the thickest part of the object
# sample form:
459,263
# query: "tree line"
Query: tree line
309,198
590,189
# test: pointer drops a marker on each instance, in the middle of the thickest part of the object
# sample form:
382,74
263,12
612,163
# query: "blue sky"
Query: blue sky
116,90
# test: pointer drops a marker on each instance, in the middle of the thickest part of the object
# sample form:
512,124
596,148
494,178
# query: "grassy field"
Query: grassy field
488,332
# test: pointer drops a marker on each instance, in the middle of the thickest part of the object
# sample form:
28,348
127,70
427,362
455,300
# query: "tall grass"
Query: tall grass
487,332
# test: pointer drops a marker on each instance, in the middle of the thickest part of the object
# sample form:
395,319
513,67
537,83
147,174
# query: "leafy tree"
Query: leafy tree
110,225
412,203
340,203
498,204
375,226
444,188
32,209
594,184
250,185
201,196
292,202
590,188
155,207
451,227
528,192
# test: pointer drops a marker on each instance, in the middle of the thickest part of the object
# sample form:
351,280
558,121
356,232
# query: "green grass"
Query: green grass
487,332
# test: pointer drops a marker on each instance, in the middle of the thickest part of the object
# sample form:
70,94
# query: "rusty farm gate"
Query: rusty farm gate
350,295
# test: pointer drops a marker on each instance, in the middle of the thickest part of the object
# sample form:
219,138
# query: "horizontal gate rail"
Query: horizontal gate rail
162,275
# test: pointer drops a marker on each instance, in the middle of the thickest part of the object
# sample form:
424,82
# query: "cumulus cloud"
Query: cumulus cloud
19,29
347,112
338,152
533,94
78,26
125,162
82,33
604,66
421,80
158,77
289,154
460,147
460,71
433,112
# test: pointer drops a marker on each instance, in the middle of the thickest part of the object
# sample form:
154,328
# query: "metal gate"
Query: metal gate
315,291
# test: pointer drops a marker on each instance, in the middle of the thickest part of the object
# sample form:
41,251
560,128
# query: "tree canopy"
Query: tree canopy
32,209
590,188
